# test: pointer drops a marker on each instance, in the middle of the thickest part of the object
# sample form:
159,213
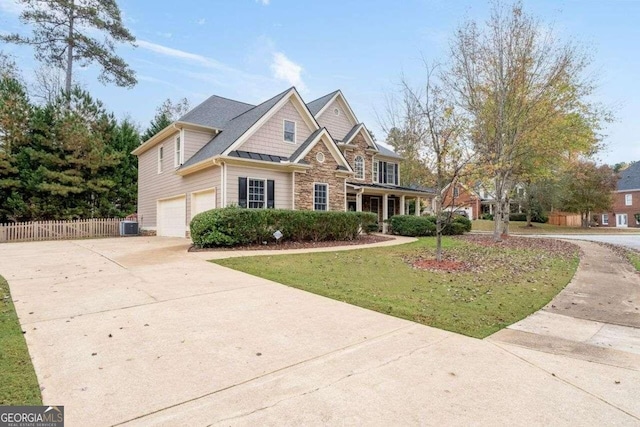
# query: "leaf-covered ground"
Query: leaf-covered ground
18,382
501,284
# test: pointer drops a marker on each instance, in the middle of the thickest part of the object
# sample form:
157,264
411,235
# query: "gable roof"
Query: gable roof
314,139
234,129
386,152
215,112
318,104
629,178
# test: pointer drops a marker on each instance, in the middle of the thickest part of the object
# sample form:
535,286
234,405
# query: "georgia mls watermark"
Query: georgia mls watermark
31,416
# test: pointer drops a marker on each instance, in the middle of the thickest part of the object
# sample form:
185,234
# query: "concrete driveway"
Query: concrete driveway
139,332
628,239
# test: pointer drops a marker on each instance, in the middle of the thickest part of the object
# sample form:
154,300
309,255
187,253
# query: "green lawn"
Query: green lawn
504,284
520,227
18,382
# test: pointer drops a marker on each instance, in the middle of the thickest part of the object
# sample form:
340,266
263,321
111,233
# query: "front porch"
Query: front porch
387,200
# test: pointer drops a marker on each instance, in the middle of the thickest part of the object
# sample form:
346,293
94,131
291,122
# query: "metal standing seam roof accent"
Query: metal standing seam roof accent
232,130
257,156
629,178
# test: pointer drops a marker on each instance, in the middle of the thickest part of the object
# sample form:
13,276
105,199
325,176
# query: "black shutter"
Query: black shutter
242,192
395,174
380,176
271,194
384,172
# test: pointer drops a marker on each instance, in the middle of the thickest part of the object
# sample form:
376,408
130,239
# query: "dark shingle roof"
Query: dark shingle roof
386,152
215,112
257,156
629,178
233,129
316,105
305,144
352,132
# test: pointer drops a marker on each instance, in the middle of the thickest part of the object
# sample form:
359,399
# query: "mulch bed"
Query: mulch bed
361,240
445,265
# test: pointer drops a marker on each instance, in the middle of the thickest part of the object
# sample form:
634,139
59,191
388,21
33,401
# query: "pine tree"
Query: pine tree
63,34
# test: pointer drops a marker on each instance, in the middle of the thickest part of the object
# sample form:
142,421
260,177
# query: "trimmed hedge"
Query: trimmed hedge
411,225
415,226
234,226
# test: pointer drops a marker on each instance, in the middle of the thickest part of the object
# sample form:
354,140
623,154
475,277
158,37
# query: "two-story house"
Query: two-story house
626,200
283,153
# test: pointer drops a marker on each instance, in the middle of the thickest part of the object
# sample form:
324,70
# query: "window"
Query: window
387,173
456,192
160,158
628,199
336,111
178,158
320,157
320,197
605,219
256,193
359,167
289,131
375,170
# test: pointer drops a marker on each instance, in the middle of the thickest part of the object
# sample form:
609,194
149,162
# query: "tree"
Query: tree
124,195
63,34
426,121
413,166
588,188
167,113
47,85
508,76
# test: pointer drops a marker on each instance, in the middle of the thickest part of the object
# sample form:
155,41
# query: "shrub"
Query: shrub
464,221
487,216
535,217
411,225
234,226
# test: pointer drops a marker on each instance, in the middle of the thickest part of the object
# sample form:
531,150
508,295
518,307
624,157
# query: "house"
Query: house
458,197
283,153
626,200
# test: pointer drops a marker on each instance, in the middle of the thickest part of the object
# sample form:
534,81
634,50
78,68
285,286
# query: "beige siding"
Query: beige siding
153,185
283,196
340,125
194,141
269,139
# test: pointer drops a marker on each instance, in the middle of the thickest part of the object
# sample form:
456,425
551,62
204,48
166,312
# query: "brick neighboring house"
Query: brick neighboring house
459,197
626,200
283,153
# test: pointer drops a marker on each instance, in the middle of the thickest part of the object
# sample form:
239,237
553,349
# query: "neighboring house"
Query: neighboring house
459,197
626,200
283,154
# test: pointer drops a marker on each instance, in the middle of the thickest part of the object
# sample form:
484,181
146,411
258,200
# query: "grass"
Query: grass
18,382
514,283
520,227
634,259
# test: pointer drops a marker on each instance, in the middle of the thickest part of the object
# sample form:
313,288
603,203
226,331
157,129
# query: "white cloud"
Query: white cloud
201,21
285,69
264,2
181,54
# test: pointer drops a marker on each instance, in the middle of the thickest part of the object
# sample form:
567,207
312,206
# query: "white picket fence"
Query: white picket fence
59,230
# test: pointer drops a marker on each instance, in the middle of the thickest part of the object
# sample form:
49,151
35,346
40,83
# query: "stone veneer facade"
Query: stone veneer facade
360,148
324,173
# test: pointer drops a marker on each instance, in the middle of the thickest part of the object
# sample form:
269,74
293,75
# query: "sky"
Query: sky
250,50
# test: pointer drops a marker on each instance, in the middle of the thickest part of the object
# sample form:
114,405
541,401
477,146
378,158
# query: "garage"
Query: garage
202,201
172,217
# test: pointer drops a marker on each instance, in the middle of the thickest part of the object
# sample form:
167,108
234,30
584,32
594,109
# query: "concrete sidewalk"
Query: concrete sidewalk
139,332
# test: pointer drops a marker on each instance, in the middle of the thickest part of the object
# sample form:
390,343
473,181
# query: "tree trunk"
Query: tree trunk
506,211
438,229
497,221
529,215
69,71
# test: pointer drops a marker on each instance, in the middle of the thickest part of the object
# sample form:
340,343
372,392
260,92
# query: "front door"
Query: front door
374,206
621,220
391,207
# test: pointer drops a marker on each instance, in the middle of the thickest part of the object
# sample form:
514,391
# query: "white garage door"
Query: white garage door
202,201
172,216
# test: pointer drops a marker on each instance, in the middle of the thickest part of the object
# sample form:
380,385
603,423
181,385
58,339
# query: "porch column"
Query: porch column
418,206
385,212
402,202
359,201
